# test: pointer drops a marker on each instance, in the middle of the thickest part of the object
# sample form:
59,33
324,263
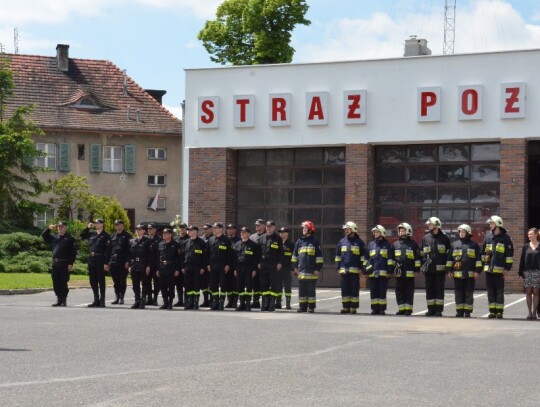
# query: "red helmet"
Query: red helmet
310,225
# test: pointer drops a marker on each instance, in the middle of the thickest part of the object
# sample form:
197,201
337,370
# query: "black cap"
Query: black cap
151,226
118,222
245,229
218,225
193,227
182,226
231,226
99,221
284,230
207,226
270,223
62,223
167,230
259,222
140,226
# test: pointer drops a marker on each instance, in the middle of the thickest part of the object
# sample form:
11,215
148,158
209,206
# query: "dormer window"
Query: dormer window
86,102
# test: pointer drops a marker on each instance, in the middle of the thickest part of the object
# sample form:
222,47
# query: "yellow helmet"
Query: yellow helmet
350,225
380,229
407,227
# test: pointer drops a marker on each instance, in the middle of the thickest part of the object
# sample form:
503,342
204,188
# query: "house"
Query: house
101,124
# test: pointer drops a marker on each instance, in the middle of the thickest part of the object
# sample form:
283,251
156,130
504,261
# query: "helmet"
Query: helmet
350,225
407,227
497,220
380,229
435,221
466,228
310,225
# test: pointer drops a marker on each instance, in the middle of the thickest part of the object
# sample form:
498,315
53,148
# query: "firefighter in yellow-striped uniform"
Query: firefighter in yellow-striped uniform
464,266
307,261
407,255
380,266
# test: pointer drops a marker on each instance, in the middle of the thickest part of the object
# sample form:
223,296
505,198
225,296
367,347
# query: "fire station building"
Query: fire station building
374,142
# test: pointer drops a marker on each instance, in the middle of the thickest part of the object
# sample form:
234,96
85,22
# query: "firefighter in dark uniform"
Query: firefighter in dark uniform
350,258
205,277
118,262
464,266
220,263
230,282
434,249
307,261
271,256
64,253
99,250
408,264
139,266
246,253
286,268
193,266
260,230
179,281
498,251
379,267
169,267
153,259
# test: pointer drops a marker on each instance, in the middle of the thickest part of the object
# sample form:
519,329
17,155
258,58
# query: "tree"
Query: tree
19,183
248,32
70,196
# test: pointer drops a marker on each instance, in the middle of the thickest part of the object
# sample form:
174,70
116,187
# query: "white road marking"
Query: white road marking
509,305
448,303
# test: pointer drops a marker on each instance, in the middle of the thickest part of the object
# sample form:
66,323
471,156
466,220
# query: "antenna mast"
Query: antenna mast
16,40
449,26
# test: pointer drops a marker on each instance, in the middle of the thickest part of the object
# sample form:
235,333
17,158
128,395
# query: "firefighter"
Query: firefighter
464,266
307,261
380,266
271,253
230,281
118,262
220,262
99,250
180,238
286,268
139,267
407,255
498,252
205,277
246,252
153,259
434,249
350,258
260,229
193,266
169,267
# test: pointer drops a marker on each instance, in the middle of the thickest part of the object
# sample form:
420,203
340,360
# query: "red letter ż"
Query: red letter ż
354,106
243,103
428,99
279,106
472,108
316,109
206,107
512,100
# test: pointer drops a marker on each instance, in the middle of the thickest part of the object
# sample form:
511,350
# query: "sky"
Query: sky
155,40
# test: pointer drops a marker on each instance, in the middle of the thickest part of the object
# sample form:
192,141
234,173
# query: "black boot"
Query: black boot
58,302
256,303
188,303
230,298
155,300
242,305
179,303
214,303
278,303
63,302
288,303
137,302
206,301
102,301
272,304
195,302
143,302
222,303
248,303
117,299
264,306
121,299
95,303
170,302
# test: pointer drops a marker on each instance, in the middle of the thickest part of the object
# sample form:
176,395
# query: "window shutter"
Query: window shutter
129,159
95,157
64,159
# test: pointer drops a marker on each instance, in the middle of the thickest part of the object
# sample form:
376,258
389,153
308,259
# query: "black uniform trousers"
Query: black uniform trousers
119,275
60,278
154,281
405,293
435,291
217,281
192,279
270,280
96,274
205,282
139,278
230,284
464,290
244,281
166,285
495,292
286,280
256,286
378,286
350,290
179,283
307,293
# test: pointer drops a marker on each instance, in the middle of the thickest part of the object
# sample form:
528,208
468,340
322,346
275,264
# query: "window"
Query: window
43,219
156,180
80,152
49,160
157,154
161,204
112,159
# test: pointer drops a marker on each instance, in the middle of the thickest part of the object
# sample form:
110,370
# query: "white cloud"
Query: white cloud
204,9
175,110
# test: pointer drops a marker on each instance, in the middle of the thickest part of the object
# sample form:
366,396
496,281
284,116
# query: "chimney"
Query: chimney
415,47
62,57
156,94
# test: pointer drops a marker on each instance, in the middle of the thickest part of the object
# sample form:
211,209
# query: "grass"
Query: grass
17,281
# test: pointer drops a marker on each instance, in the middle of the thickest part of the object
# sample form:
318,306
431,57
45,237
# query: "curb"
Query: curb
24,291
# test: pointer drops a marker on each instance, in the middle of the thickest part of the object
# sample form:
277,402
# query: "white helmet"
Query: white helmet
497,220
407,227
466,228
350,225
380,229
435,221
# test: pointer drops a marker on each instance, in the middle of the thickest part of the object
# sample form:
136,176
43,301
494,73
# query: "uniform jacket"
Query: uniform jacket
153,251
288,248
380,258
271,249
220,252
435,247
99,246
307,257
139,253
194,253
169,257
498,252
63,247
246,255
120,248
350,254
407,255
529,260
464,258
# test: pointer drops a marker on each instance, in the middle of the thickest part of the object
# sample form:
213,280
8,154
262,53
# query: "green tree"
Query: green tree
71,196
19,183
248,32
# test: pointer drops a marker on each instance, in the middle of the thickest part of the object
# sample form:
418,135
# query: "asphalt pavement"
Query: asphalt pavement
79,356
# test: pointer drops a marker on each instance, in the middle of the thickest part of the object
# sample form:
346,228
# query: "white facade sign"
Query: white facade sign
513,100
208,112
429,104
316,108
354,107
244,111
280,109
470,102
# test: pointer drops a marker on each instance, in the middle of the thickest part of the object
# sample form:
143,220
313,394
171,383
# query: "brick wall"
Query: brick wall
514,205
212,186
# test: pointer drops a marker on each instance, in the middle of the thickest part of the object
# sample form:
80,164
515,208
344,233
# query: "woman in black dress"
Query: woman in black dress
529,271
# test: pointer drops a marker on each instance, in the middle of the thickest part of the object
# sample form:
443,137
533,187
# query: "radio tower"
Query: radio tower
449,26
16,40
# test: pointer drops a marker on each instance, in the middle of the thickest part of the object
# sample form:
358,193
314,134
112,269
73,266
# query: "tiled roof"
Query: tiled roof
54,93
